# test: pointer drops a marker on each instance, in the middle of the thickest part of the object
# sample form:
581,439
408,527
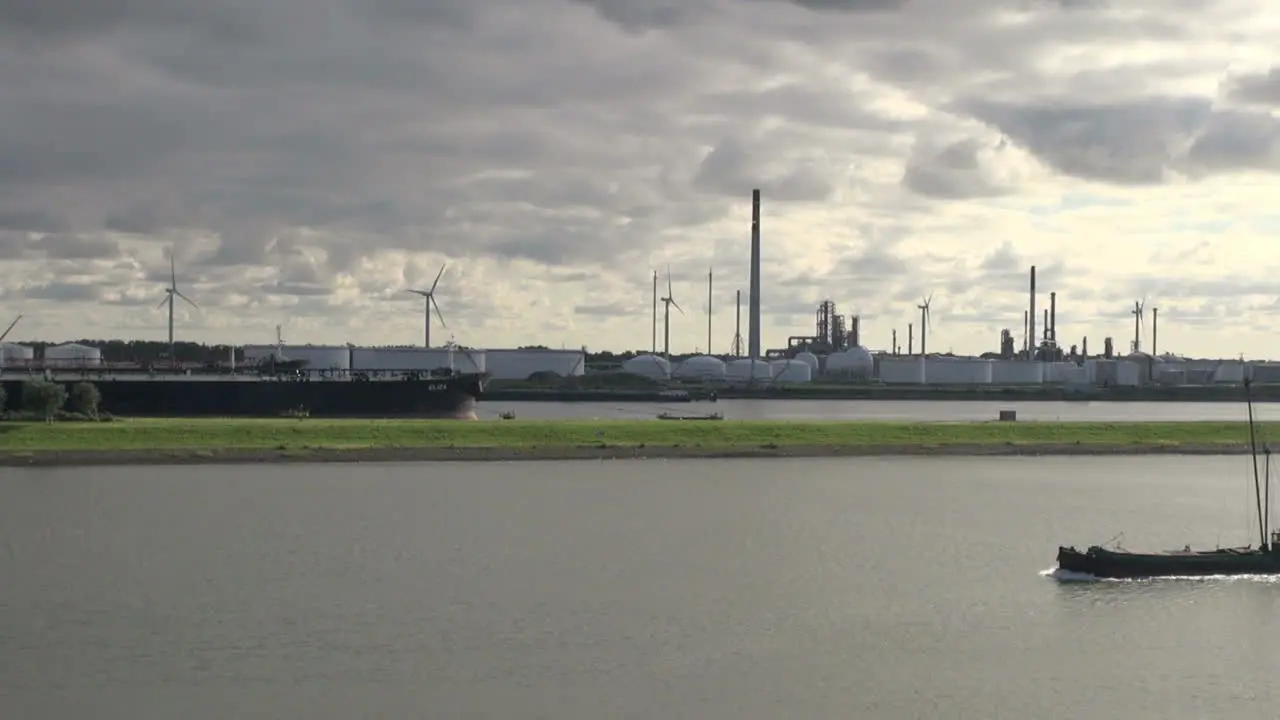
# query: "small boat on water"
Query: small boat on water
672,416
1102,562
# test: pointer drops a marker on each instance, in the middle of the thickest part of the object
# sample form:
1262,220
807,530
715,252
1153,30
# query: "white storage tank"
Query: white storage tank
1072,375
1017,372
957,371
856,362
15,354
390,359
703,367
521,364
746,369
316,357
811,360
902,370
650,366
1266,373
1130,373
1230,372
790,371
72,355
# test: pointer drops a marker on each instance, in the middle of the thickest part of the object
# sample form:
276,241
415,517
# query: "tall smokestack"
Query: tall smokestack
753,312
709,274
655,313
1026,327
855,331
1155,313
1046,324
1053,316
1031,330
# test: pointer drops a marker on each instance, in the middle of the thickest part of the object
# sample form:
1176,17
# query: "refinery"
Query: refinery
832,356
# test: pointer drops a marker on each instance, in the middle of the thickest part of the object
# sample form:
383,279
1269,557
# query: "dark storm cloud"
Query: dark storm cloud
955,172
1139,142
1258,89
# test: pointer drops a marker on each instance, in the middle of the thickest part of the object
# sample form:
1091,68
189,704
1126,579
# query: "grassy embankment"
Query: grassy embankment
246,440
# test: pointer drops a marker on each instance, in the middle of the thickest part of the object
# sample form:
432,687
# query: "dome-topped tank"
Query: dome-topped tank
650,366
854,362
700,366
811,360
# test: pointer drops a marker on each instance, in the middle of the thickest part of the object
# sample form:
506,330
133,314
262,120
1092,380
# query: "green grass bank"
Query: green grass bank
138,441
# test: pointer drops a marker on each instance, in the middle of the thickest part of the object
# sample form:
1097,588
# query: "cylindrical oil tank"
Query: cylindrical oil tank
1017,372
747,369
315,357
1231,372
700,367
855,362
790,371
520,364
1266,373
957,371
419,359
650,366
15,354
72,355
811,360
1130,373
902,370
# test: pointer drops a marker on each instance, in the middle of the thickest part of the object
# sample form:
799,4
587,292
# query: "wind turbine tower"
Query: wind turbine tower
924,323
428,302
668,301
1139,309
172,292
654,326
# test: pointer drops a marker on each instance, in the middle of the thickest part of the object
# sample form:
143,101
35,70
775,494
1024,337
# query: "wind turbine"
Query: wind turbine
1138,311
667,302
924,323
172,292
428,302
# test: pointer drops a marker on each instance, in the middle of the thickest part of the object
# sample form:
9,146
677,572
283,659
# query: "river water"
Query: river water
715,589
903,410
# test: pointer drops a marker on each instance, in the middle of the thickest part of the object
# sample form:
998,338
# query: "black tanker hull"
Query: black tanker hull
1103,563
453,397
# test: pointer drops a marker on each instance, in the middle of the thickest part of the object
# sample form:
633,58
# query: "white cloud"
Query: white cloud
309,161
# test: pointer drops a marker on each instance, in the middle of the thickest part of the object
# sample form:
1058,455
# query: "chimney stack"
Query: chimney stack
1031,332
1053,317
1026,342
854,330
1155,313
753,312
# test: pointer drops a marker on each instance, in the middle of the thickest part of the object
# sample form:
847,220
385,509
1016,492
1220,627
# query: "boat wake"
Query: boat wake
1066,576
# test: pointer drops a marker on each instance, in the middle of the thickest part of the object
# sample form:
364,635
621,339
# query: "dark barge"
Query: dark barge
222,393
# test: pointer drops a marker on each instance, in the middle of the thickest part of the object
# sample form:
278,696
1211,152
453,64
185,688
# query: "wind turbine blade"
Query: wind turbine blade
166,299
173,271
189,300
439,315
437,280
669,294
676,305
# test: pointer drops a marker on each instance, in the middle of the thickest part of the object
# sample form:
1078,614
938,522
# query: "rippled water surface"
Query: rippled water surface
900,410
896,588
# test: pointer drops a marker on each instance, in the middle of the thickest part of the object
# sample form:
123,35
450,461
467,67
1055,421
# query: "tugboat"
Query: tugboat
1101,562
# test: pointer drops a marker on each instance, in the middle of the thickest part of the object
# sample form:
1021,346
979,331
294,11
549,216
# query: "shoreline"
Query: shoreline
249,456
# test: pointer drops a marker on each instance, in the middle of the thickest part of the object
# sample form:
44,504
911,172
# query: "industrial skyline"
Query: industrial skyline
333,163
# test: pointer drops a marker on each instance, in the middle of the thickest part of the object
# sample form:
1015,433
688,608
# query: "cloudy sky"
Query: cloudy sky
309,160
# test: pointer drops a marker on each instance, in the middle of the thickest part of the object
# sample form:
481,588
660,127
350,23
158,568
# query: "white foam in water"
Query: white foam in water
1067,576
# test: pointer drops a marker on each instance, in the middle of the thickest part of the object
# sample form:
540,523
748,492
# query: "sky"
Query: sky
308,161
